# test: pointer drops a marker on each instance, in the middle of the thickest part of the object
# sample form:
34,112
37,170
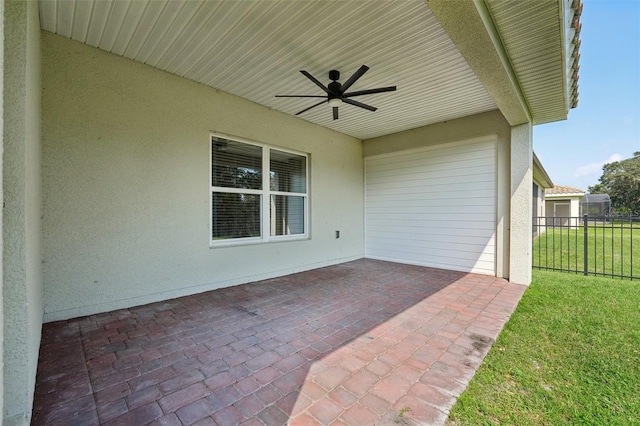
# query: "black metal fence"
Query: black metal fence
601,246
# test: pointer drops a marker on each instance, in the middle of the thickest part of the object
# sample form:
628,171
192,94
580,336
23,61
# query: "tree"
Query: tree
621,180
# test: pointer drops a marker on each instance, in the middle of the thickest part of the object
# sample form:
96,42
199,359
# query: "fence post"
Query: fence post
585,223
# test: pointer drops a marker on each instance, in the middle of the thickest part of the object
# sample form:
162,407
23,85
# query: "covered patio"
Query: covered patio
161,157
363,342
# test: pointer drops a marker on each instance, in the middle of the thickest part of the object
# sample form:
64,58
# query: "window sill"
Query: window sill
256,241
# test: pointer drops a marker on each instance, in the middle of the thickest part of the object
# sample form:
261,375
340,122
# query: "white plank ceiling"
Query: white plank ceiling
528,31
255,50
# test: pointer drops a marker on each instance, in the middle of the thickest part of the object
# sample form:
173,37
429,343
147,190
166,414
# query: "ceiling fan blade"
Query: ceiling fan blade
312,106
335,113
359,104
370,91
356,75
312,78
300,96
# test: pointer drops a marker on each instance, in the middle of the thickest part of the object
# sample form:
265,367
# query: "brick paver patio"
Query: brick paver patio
358,343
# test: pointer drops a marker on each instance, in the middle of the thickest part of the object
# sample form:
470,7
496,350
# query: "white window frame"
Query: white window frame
265,196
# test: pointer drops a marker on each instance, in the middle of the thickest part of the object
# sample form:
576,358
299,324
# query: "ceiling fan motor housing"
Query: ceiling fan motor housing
335,89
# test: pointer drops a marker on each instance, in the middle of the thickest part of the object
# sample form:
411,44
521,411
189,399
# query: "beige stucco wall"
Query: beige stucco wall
573,202
489,123
560,199
575,206
1,210
22,273
126,185
538,210
521,231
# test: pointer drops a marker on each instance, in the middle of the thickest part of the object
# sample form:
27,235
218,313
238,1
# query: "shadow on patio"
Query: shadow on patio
355,343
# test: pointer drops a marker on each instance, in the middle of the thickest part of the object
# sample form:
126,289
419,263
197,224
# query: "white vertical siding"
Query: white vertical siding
435,206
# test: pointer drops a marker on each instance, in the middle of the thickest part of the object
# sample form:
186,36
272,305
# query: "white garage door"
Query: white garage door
434,206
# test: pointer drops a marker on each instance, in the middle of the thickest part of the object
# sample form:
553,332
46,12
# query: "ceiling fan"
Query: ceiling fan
336,93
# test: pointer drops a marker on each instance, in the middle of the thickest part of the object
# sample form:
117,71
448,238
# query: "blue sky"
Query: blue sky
605,126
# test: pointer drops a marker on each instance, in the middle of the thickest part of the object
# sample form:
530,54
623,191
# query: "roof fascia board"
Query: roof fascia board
540,174
470,27
552,197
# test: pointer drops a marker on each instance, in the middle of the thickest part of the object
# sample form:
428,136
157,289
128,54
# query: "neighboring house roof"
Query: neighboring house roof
449,59
560,191
540,175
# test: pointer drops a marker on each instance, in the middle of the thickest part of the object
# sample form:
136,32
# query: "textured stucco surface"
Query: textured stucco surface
22,275
521,203
539,202
466,128
126,185
575,207
1,210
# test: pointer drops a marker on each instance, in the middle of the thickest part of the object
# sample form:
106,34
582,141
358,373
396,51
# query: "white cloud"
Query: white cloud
614,158
593,168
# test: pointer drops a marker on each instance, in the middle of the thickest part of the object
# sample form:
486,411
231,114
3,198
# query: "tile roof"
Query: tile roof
561,190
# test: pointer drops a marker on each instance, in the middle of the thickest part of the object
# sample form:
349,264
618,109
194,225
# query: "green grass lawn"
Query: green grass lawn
610,250
570,354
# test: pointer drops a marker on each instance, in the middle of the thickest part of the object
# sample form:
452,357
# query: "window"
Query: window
251,205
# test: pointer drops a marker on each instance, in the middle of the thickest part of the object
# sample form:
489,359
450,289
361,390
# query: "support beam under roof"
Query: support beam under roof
466,25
